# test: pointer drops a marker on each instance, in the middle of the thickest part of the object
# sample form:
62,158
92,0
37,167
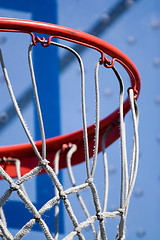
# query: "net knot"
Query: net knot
43,163
37,217
62,196
89,181
121,211
99,216
14,187
77,229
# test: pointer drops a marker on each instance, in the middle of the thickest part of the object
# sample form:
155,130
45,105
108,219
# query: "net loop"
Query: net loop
46,43
109,63
134,86
134,90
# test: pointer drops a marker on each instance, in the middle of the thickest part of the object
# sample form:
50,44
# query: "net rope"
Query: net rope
128,176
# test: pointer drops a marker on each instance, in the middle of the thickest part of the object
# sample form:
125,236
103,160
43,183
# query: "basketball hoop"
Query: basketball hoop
27,160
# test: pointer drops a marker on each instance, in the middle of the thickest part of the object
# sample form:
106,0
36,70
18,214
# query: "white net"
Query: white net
128,174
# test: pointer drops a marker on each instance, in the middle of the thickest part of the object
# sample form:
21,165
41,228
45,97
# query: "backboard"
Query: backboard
135,36
9,123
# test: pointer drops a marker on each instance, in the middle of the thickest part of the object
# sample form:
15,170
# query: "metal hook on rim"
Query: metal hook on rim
66,146
43,41
108,63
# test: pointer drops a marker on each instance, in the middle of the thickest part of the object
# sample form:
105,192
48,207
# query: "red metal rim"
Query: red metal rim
25,152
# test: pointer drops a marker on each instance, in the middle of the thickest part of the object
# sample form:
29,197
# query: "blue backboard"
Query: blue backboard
51,114
133,27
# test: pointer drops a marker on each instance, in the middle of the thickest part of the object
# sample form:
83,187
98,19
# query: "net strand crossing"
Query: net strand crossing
96,221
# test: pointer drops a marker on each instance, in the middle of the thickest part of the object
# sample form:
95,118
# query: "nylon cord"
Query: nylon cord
17,108
100,215
37,101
